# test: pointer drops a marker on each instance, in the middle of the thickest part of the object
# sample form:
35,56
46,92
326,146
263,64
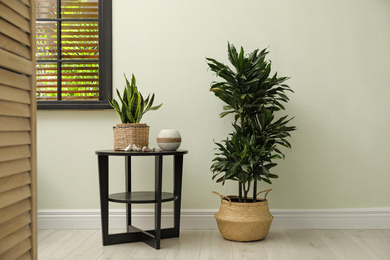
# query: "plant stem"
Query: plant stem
239,192
254,190
246,191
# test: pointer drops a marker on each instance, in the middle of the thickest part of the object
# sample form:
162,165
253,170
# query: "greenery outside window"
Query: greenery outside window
74,54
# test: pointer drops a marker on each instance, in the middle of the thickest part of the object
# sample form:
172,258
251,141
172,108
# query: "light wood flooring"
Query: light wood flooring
208,244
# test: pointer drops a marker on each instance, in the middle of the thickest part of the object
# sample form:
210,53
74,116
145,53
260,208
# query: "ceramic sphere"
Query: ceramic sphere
169,139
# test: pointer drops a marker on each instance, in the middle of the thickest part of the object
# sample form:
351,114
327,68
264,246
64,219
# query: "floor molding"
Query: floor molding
204,219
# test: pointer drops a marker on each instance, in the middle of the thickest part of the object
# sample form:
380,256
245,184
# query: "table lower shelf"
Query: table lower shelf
141,197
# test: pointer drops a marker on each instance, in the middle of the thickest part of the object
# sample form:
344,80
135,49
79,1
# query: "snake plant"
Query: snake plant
134,106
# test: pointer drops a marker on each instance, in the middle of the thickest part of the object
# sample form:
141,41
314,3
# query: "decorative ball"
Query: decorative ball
169,139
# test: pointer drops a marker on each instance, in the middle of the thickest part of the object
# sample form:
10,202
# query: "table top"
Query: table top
132,153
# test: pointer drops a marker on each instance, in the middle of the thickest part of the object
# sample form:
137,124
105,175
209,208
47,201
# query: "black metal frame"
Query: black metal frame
105,61
134,234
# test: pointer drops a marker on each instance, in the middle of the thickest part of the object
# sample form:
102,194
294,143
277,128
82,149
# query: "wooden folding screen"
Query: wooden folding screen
17,130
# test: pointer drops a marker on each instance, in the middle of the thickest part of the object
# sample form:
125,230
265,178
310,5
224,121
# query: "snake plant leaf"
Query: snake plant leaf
156,107
115,105
124,113
142,104
128,85
126,96
130,117
150,103
133,85
146,102
134,106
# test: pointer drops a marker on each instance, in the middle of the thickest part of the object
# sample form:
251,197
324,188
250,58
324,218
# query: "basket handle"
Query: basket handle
266,193
222,197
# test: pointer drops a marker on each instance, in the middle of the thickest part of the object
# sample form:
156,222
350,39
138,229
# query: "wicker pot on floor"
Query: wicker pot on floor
126,134
243,221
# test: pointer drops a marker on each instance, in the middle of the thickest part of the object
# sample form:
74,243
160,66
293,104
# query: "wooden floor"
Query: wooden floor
208,244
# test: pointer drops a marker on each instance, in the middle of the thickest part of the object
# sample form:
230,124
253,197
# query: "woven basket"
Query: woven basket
243,221
126,134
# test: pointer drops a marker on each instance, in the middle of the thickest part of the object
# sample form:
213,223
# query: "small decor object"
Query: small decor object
134,106
169,139
128,148
133,147
253,96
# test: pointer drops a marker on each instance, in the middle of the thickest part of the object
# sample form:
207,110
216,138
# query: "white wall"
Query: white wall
336,53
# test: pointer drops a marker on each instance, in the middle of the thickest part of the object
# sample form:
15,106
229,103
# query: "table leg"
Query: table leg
158,194
177,182
128,189
103,184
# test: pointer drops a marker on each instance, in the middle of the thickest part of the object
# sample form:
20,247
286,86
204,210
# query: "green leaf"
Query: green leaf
130,116
240,64
149,104
128,85
119,95
135,107
273,176
126,118
115,105
266,180
232,54
142,104
156,107
133,86
222,114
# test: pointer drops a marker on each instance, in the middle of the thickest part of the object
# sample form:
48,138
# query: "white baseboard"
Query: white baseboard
90,219
204,219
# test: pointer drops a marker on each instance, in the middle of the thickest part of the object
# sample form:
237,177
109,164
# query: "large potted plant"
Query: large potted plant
133,107
247,156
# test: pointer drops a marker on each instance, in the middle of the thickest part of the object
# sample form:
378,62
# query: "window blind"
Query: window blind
67,34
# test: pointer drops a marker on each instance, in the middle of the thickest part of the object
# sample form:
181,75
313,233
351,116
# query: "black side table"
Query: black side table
133,234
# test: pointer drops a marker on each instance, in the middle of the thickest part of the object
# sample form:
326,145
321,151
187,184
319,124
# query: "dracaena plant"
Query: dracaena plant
254,97
250,152
249,85
134,106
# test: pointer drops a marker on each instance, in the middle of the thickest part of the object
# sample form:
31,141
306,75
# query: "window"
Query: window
74,57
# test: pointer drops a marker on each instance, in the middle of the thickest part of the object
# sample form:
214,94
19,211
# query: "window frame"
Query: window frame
105,61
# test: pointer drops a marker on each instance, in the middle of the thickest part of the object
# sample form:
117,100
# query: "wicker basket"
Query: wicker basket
243,221
126,134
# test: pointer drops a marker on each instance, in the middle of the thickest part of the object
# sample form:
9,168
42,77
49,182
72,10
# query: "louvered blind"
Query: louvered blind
18,233
67,50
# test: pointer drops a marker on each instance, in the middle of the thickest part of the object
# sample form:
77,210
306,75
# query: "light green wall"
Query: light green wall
338,57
